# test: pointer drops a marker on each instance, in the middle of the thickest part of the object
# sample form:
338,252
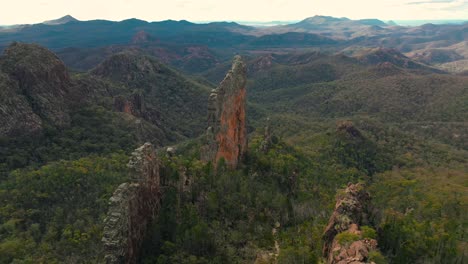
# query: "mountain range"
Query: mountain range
441,46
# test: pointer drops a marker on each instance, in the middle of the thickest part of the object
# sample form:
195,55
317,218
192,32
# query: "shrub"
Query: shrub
368,232
347,237
377,257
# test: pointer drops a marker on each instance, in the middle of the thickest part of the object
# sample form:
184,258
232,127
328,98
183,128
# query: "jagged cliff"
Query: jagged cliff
344,238
226,135
132,207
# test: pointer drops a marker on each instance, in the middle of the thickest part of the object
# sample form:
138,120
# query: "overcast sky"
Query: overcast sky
34,11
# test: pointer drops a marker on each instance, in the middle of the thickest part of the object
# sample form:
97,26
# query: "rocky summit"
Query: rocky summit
346,240
226,136
34,84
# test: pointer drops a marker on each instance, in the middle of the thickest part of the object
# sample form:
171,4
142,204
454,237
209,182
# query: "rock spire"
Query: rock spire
132,208
226,136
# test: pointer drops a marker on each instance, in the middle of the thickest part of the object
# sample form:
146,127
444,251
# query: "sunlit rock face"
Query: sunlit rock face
226,136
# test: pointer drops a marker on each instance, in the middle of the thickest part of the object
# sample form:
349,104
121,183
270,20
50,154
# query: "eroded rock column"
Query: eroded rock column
132,208
226,135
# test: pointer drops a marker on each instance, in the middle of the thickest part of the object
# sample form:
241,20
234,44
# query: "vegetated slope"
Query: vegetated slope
417,98
170,100
185,57
272,71
56,178
428,201
279,199
54,214
48,114
377,56
38,80
282,198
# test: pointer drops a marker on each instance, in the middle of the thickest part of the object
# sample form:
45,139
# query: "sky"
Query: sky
36,11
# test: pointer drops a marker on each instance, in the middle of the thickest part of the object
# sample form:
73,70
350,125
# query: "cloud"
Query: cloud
441,4
430,2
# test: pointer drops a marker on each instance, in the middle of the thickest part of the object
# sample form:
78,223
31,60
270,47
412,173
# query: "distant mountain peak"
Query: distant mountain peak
60,21
323,19
372,22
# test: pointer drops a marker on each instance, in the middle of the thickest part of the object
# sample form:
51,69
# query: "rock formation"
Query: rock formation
226,135
134,104
34,83
16,114
155,93
267,138
344,242
348,129
132,208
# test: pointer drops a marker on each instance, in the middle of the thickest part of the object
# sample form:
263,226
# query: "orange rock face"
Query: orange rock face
351,211
232,140
133,105
226,133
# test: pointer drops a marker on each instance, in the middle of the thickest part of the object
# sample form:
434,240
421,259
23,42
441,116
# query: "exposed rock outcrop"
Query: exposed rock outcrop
344,241
347,129
16,114
267,138
226,136
156,93
134,104
132,208
35,82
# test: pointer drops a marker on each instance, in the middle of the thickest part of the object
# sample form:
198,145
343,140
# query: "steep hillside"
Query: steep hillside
129,99
383,55
36,80
166,98
185,57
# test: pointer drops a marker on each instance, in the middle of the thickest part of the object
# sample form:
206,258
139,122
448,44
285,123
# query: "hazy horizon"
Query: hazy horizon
415,22
32,12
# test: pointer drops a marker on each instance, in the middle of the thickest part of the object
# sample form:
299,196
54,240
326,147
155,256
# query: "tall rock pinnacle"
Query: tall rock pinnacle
226,135
132,207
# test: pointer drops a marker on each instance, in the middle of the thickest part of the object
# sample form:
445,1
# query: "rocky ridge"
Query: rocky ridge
344,238
132,207
155,93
